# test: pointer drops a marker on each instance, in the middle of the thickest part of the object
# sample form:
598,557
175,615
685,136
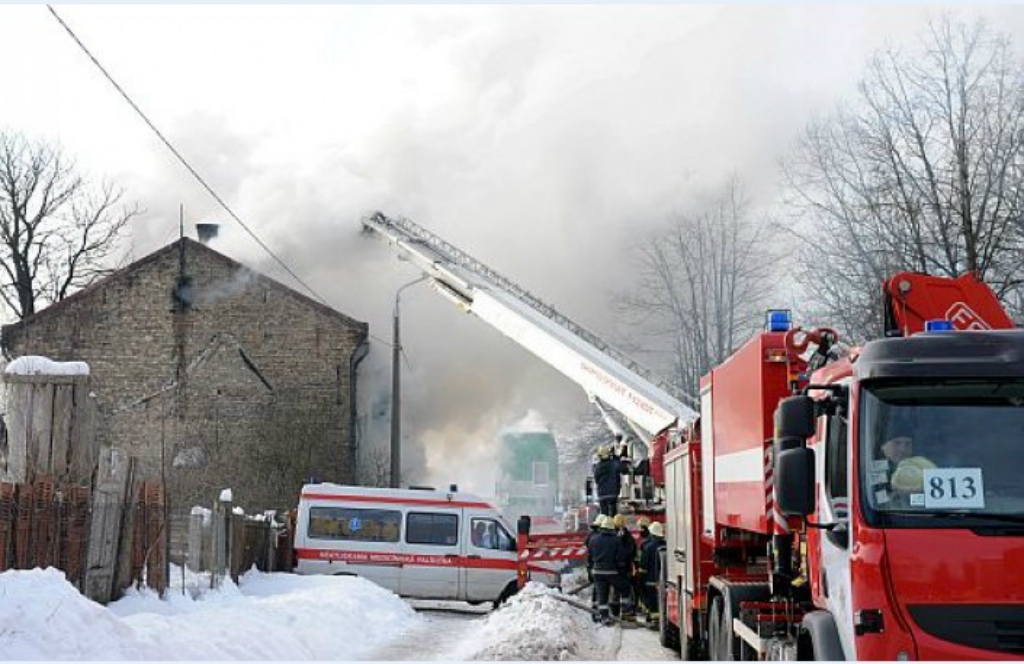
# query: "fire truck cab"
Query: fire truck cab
856,503
916,501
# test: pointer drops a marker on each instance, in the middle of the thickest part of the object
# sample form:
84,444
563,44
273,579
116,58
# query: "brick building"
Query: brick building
210,375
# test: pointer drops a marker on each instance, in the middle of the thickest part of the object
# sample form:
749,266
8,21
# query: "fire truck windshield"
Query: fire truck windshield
931,454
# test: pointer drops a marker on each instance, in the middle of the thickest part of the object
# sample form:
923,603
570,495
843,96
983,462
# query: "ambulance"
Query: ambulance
419,543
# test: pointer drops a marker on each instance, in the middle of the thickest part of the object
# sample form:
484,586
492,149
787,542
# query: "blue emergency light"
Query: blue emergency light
938,325
779,320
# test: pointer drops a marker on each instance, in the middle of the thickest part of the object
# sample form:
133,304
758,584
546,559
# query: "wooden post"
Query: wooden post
112,479
60,436
194,556
221,539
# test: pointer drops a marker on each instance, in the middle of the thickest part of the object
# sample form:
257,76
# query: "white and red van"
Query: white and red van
418,543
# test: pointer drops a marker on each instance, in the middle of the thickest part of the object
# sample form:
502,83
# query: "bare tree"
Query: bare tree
701,284
923,172
57,232
375,466
577,445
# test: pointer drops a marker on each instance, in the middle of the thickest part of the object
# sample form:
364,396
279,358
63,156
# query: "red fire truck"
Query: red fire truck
825,502
861,503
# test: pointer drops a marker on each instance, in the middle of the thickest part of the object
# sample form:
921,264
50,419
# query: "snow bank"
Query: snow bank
42,616
265,617
537,625
274,616
36,364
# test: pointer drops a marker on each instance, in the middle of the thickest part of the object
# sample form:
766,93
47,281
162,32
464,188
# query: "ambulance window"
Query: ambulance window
427,528
505,541
354,524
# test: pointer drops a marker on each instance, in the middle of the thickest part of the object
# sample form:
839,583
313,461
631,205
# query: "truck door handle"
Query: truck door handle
680,555
451,555
472,555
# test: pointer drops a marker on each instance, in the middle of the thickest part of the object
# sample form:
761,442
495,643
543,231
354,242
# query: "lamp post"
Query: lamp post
396,392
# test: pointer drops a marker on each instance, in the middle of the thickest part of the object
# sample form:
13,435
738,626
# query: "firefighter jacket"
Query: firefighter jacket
594,532
605,551
645,536
607,477
650,561
629,551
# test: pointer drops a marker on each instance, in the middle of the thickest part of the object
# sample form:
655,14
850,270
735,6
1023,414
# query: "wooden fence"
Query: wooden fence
103,544
224,541
107,541
66,504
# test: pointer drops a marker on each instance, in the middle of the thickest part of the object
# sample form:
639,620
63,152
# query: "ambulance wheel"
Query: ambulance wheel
511,589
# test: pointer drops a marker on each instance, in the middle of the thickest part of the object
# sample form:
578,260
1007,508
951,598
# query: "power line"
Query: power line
182,159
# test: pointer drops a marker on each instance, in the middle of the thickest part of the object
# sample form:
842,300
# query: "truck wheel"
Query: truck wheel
721,643
668,634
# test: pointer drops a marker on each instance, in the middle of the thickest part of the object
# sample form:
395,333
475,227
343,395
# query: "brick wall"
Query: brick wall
223,379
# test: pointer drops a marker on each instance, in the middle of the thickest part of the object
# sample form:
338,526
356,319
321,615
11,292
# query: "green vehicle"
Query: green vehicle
527,480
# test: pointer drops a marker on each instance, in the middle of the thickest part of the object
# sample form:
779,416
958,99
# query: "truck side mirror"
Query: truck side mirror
794,481
794,421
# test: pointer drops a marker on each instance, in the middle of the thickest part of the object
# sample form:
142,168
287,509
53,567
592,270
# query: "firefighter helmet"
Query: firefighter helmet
657,529
619,521
643,522
604,452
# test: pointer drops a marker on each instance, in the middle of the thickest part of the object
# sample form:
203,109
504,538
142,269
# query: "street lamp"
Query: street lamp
396,392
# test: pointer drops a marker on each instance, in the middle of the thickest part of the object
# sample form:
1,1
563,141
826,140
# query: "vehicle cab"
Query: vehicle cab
918,551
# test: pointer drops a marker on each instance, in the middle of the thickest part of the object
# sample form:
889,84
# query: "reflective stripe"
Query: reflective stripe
381,557
390,500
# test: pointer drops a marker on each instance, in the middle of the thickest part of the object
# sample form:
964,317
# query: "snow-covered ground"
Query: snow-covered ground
290,617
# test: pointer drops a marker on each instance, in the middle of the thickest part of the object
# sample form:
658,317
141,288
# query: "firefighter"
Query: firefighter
605,551
623,598
650,570
608,478
643,523
594,530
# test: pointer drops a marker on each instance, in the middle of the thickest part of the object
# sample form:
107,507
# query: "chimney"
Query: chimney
206,232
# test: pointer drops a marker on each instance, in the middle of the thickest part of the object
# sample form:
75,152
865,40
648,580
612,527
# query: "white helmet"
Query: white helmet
657,529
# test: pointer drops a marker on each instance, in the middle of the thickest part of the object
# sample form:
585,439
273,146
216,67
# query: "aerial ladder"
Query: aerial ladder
621,389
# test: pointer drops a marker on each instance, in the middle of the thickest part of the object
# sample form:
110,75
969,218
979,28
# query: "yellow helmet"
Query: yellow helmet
604,452
606,522
909,475
657,529
619,521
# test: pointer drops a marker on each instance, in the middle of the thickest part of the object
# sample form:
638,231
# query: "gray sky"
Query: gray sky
538,139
